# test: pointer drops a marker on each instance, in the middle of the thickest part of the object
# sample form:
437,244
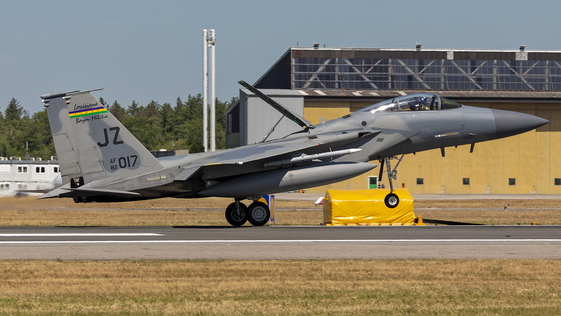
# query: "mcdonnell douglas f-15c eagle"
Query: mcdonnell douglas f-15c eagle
100,160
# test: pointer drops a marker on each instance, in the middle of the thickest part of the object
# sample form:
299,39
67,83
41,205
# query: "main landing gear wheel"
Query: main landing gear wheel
258,214
391,200
236,214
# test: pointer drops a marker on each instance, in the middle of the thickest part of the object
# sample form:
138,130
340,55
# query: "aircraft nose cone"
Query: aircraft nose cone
508,123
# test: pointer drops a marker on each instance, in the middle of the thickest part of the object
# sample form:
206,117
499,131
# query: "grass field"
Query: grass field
28,211
289,287
350,287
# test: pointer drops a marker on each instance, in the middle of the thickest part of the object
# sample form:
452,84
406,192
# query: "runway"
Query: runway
280,242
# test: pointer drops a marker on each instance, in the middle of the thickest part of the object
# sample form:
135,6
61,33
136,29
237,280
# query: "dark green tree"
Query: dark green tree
194,115
14,111
117,110
167,118
195,136
134,109
180,122
220,124
155,126
13,128
38,135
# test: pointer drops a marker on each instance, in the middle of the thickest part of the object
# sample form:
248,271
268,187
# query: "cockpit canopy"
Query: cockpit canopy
413,102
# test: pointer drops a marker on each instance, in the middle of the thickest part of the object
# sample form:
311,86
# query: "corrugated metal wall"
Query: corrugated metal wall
257,117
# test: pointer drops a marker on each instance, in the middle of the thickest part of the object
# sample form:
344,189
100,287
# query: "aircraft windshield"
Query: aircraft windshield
449,104
413,102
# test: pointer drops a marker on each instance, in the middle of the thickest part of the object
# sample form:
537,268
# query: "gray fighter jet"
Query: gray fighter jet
100,160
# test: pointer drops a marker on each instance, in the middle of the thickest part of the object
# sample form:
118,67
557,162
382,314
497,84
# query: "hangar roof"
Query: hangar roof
481,96
386,72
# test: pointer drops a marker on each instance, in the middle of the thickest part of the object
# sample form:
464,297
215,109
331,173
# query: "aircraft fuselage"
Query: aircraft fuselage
101,160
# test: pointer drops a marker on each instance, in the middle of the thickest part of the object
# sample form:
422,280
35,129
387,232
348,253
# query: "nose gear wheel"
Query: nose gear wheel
391,200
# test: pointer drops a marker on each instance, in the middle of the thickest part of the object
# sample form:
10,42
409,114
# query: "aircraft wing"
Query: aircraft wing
252,158
392,138
280,147
236,159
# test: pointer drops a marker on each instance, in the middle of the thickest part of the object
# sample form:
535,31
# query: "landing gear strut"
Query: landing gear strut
391,200
236,213
257,214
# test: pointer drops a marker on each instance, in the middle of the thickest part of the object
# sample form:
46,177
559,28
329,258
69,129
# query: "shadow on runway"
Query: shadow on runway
216,227
439,222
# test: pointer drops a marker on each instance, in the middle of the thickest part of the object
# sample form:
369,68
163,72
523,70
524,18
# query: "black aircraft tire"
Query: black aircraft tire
391,200
236,217
258,214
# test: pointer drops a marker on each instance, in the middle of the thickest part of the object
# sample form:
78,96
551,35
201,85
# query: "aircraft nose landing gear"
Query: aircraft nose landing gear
257,214
391,200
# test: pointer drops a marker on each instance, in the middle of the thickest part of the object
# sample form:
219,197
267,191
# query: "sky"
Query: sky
152,50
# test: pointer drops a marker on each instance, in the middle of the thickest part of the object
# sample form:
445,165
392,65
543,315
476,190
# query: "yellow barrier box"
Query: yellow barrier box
353,207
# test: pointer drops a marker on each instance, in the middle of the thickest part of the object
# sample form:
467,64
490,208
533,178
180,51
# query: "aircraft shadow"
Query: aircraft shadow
214,227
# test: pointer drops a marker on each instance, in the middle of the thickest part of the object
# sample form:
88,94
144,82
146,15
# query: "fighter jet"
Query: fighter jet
100,160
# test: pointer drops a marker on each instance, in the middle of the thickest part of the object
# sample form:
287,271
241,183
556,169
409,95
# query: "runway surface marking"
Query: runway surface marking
271,241
83,235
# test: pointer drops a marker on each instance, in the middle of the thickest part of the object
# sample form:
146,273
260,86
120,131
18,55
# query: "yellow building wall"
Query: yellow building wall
532,158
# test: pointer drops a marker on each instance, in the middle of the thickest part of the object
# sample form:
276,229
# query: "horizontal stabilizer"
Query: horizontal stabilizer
284,111
53,193
96,192
34,191
79,192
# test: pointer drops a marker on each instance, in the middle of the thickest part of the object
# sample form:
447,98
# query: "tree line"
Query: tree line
157,126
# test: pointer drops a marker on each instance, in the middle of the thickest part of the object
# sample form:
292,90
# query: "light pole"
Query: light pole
209,39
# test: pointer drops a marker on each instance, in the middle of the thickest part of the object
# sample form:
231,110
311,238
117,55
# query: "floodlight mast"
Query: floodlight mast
205,88
212,41
209,38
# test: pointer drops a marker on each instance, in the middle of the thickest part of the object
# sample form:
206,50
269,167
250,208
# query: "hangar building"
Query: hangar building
331,82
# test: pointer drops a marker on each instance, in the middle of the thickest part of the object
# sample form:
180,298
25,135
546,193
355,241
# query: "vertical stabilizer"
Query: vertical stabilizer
91,144
63,137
